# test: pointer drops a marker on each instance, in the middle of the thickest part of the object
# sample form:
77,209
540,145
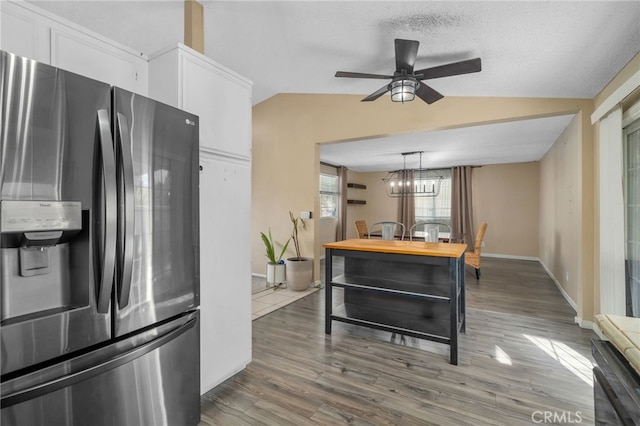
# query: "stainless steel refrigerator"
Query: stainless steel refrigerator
100,253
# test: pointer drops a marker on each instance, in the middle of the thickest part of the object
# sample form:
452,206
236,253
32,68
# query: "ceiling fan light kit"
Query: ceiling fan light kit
405,83
403,89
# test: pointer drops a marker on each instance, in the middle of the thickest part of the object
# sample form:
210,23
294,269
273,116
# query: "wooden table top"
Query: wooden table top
418,248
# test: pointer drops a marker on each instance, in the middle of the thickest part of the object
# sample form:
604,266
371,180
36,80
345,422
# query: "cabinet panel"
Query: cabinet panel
96,59
225,271
227,106
22,33
37,34
221,98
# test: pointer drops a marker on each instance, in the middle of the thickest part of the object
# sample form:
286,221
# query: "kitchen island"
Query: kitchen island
407,287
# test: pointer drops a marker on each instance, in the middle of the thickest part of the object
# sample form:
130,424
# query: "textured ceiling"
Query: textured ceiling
558,49
539,49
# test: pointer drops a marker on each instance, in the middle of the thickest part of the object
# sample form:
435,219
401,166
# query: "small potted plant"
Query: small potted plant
276,268
299,269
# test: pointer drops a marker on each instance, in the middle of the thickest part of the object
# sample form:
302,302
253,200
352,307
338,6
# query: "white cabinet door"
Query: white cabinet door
220,97
225,268
22,32
32,32
225,101
94,58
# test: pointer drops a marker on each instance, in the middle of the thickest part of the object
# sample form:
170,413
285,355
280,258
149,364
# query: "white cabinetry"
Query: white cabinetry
184,78
23,32
222,100
34,33
97,59
225,268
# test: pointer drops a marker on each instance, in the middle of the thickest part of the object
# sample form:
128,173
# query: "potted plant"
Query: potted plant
276,267
299,269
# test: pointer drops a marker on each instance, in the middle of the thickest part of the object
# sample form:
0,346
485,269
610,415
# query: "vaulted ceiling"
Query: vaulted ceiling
558,49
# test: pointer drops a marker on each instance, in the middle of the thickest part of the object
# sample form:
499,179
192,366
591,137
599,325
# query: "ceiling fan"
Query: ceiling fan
406,83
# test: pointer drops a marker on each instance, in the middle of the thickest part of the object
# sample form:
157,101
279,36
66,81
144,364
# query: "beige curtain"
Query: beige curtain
341,230
461,205
406,203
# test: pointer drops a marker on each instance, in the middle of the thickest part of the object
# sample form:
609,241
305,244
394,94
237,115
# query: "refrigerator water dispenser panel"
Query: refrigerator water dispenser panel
30,216
38,223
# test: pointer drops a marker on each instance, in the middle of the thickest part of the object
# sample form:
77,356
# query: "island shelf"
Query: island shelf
407,287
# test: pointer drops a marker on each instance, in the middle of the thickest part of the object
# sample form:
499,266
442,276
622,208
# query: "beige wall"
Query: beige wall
567,214
506,196
281,183
288,127
379,207
560,209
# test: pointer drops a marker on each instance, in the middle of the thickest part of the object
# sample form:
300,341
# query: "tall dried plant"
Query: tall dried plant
294,233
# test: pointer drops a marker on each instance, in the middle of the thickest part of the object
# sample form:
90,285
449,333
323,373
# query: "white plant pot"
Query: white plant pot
276,273
299,273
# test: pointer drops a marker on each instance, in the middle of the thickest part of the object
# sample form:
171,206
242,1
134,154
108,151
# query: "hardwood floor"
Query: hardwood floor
521,361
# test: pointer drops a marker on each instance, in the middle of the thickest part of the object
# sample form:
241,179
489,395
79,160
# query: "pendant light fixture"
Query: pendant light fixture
413,182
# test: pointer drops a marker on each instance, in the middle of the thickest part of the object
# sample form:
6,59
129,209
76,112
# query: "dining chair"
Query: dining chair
472,258
425,224
388,229
361,227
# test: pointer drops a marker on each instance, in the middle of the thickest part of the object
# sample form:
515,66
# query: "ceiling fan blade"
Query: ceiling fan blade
361,75
428,94
454,68
375,95
406,52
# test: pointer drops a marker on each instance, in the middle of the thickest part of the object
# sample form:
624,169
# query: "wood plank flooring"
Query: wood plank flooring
522,356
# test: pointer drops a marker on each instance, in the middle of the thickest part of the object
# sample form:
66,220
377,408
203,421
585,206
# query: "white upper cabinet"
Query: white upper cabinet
37,34
23,32
98,59
221,98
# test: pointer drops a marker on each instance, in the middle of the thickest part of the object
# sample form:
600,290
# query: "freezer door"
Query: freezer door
151,378
158,253
57,168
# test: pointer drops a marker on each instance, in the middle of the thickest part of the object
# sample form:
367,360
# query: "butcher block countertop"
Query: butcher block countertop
417,248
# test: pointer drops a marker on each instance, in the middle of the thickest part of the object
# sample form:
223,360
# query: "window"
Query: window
329,195
632,201
438,208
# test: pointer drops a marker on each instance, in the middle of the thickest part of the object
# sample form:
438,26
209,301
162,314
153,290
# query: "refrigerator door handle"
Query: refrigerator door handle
108,237
126,210
22,395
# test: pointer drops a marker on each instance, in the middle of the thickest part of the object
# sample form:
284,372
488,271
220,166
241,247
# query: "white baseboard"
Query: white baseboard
599,332
582,323
510,256
573,304
232,372
259,275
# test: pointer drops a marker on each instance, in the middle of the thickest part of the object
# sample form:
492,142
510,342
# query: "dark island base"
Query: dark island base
418,296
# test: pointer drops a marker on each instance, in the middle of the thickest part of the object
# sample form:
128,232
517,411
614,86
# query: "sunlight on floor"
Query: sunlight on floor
502,357
567,357
269,300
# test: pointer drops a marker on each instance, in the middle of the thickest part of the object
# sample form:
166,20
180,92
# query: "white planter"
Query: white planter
299,273
276,273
